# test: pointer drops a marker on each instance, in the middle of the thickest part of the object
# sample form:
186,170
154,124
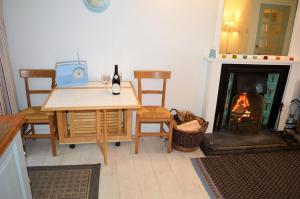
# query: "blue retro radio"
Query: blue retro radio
71,73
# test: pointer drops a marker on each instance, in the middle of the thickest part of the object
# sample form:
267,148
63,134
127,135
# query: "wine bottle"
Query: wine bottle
116,82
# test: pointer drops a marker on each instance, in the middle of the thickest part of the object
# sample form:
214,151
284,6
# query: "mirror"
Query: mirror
259,27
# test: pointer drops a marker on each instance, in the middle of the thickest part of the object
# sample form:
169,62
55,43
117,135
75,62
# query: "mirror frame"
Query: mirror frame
220,12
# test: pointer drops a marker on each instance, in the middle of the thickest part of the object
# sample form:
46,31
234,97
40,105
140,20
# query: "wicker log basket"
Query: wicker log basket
187,141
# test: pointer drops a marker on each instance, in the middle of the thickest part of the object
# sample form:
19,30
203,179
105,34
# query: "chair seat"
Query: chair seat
154,113
34,113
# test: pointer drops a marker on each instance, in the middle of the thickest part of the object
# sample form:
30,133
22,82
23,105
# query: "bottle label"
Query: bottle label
116,88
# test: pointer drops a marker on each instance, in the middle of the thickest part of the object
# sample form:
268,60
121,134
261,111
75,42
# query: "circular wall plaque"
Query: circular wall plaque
97,5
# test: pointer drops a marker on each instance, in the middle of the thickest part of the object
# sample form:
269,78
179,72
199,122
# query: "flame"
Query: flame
242,107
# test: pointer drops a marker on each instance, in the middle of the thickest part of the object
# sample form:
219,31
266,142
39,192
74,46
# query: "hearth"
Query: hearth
248,105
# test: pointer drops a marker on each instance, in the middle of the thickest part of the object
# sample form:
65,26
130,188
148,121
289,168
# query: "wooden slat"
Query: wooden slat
37,73
152,92
152,134
85,132
36,136
85,135
39,91
74,134
90,114
164,93
164,75
65,125
85,129
61,126
27,94
152,74
83,123
85,114
140,90
37,121
71,122
94,127
79,132
80,128
83,126
92,139
87,121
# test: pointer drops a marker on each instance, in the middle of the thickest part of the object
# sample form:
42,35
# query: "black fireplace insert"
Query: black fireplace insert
261,86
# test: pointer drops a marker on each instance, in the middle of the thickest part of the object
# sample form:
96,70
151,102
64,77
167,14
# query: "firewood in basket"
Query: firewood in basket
189,116
181,116
189,126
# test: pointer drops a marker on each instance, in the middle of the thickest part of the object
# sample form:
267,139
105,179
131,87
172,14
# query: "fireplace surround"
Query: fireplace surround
218,136
213,74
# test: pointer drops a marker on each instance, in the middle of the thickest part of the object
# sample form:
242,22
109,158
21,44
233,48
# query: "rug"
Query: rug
59,182
260,175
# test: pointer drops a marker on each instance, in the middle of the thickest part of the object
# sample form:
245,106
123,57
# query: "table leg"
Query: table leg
128,124
60,126
102,146
105,150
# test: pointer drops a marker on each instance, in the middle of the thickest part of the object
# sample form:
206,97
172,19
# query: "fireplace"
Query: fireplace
247,110
249,98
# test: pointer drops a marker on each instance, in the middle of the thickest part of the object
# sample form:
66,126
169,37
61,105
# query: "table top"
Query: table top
99,84
93,96
9,126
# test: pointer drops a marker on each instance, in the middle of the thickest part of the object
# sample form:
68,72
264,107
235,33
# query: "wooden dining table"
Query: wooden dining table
92,114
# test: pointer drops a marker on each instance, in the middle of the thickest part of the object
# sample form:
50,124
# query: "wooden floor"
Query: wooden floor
153,173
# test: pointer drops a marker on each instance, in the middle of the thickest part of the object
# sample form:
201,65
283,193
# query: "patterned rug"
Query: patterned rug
59,182
261,175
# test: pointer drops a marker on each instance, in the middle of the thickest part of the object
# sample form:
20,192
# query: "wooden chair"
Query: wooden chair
33,114
153,114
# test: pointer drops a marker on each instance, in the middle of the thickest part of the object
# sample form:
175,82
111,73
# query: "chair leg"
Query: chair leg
32,129
170,135
56,130
53,140
161,129
23,139
137,135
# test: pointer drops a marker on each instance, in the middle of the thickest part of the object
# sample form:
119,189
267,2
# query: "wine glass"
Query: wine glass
105,78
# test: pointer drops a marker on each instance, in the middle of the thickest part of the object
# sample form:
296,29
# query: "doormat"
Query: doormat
74,181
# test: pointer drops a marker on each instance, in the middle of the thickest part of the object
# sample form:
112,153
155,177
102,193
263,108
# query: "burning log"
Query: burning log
241,108
246,114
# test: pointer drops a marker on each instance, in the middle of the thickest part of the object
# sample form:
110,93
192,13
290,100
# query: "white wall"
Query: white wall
135,34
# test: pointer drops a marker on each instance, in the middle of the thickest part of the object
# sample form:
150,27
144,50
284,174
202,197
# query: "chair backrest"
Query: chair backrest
148,74
36,73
